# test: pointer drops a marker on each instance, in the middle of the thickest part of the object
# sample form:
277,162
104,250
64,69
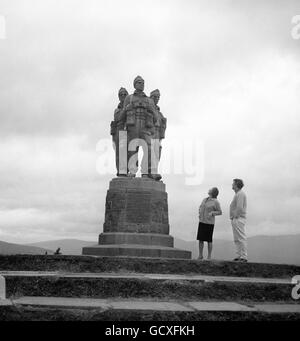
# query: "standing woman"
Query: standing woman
209,208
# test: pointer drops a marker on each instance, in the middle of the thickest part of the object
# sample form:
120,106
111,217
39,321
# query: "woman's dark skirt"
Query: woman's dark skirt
205,232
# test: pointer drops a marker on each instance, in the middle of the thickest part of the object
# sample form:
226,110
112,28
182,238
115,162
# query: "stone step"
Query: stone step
136,238
145,265
136,250
41,308
201,278
103,285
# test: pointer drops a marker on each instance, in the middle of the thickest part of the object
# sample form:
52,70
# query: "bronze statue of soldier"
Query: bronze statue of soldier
117,126
141,119
160,128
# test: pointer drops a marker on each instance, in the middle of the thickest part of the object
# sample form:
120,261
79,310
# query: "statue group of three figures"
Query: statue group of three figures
138,122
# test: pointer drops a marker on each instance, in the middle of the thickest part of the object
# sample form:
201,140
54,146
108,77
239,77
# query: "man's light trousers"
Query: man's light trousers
239,236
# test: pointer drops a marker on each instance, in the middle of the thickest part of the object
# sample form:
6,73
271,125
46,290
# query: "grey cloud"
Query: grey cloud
229,70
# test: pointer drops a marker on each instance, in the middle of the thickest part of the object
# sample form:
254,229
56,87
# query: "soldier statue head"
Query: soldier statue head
155,95
139,83
122,94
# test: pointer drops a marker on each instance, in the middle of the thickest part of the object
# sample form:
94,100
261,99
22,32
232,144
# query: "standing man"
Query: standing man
238,208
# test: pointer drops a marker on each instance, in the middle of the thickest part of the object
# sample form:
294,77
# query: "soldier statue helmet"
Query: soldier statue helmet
155,95
122,94
139,83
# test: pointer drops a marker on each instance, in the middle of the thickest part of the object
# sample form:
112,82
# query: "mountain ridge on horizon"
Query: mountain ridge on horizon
13,248
185,240
281,249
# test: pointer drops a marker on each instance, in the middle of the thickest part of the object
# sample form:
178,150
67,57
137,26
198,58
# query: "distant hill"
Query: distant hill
67,246
268,249
13,249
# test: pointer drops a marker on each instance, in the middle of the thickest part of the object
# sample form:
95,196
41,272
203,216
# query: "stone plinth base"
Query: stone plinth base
132,250
136,238
136,221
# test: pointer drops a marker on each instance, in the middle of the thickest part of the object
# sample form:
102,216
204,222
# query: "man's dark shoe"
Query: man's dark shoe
237,259
243,260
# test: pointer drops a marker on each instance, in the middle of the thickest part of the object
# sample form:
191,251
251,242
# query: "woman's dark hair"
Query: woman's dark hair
214,192
239,183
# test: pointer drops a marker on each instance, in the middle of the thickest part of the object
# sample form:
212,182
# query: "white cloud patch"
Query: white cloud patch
229,77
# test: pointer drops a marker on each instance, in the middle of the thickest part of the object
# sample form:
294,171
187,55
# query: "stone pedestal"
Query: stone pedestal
136,221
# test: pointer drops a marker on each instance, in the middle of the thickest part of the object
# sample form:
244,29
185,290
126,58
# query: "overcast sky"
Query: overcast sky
229,76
